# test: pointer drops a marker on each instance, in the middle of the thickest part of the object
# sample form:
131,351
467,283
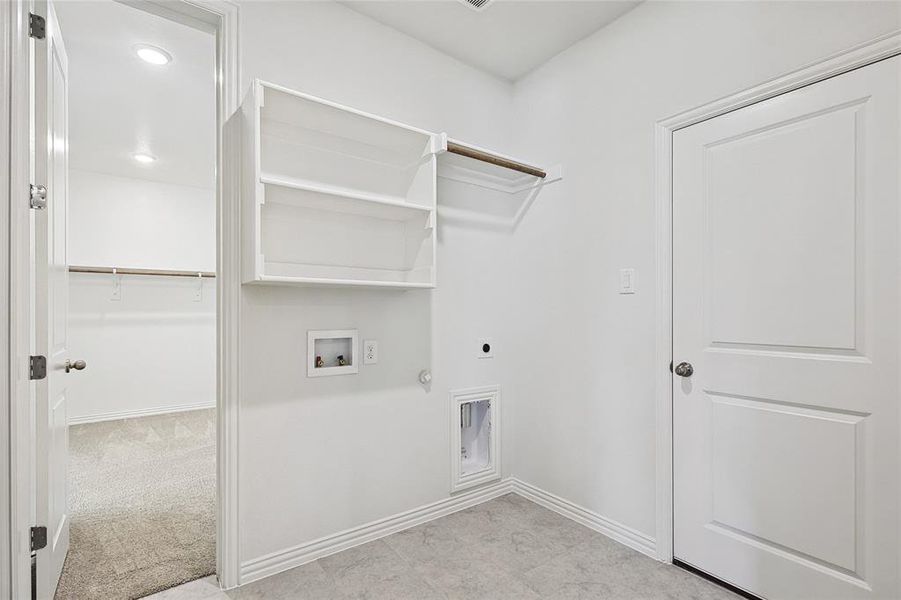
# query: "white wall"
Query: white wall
320,455
128,222
590,418
574,359
153,349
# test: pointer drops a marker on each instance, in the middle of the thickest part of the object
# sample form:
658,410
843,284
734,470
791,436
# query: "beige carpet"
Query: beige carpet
142,499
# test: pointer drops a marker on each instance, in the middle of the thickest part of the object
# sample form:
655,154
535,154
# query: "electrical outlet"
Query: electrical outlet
486,348
370,352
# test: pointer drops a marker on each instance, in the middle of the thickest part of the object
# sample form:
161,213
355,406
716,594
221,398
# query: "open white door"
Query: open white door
51,298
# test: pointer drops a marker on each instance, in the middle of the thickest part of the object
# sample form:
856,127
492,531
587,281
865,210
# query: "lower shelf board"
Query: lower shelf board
315,282
275,272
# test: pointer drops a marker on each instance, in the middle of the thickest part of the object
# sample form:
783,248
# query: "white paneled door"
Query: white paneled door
51,299
786,304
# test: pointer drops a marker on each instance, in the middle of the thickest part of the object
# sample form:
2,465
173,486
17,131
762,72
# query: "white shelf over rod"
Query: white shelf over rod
485,168
507,186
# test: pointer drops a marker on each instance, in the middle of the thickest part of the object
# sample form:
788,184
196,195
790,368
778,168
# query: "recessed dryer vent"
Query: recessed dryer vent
475,434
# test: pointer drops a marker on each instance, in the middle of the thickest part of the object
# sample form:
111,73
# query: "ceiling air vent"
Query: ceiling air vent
476,4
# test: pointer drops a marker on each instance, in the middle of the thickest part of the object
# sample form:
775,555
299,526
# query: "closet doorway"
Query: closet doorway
132,422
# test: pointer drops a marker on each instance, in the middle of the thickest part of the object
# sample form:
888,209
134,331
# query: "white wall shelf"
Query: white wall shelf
337,199
481,191
333,196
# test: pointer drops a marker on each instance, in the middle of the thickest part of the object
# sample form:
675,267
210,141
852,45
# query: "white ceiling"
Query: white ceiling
508,38
119,105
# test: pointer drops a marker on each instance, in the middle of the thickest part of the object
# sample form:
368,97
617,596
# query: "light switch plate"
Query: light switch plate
370,352
627,281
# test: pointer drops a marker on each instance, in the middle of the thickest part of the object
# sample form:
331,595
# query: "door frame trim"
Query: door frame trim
17,501
877,49
221,18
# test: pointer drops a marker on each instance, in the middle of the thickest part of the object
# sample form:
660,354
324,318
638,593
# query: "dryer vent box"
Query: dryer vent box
475,437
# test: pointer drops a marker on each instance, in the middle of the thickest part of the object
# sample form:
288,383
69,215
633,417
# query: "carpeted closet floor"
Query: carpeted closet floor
142,498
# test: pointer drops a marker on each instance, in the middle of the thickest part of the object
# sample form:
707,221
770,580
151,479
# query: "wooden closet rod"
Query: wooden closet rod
130,271
494,159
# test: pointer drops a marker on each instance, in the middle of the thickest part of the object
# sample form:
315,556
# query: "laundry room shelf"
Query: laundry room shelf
334,196
484,186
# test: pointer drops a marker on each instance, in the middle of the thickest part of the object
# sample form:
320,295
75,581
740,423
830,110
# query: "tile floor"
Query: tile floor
505,548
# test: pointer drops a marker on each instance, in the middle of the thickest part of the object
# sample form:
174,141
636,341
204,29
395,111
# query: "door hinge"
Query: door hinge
38,538
37,26
37,367
37,196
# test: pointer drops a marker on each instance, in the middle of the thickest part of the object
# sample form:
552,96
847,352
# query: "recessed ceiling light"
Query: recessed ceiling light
153,55
143,157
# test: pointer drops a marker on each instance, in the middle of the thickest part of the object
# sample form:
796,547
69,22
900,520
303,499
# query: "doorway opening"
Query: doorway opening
142,201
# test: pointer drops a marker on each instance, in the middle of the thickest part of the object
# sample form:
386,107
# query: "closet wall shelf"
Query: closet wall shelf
135,271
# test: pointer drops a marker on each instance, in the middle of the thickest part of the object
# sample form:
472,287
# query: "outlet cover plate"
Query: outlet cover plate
485,348
370,352
627,281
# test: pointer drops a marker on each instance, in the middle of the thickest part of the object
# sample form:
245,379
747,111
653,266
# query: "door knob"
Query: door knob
78,365
684,369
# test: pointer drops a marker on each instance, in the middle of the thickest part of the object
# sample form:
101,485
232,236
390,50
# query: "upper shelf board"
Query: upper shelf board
282,105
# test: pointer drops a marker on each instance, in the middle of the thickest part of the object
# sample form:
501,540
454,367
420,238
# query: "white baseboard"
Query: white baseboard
612,529
276,562
141,412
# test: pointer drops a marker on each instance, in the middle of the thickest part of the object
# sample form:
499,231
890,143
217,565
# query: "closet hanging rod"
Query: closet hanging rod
500,161
131,271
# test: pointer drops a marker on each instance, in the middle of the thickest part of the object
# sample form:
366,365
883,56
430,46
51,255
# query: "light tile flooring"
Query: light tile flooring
505,548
